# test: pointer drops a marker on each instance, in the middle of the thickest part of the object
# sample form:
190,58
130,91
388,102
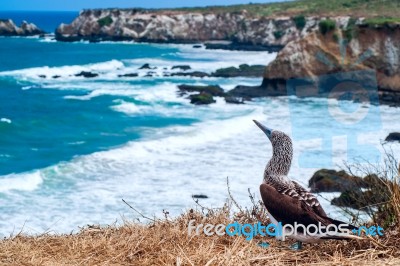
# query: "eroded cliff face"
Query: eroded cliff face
376,49
8,28
181,27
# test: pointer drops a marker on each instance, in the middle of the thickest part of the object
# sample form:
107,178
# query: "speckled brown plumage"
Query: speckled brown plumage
277,170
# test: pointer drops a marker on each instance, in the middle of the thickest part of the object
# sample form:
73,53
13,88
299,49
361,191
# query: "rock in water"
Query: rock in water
243,71
325,180
234,100
146,66
8,28
129,75
182,67
87,74
197,74
394,136
200,196
202,98
213,90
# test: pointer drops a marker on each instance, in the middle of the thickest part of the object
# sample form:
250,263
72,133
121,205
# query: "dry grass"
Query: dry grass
166,242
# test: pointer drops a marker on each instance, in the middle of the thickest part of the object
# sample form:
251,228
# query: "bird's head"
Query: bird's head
282,149
277,138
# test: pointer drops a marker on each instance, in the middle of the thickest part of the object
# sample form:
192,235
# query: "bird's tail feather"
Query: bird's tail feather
342,237
336,222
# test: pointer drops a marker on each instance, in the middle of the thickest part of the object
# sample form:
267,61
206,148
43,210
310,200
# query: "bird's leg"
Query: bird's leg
297,246
263,244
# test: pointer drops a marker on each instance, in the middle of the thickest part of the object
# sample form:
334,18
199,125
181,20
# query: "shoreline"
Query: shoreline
209,45
267,87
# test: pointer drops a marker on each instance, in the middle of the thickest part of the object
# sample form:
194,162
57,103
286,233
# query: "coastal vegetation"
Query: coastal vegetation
165,241
381,21
358,8
300,21
278,34
106,21
326,26
350,31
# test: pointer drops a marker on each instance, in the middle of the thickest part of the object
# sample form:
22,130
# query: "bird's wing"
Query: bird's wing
297,192
309,198
288,209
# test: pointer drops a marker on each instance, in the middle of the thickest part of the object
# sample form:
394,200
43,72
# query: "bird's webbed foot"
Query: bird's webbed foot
297,246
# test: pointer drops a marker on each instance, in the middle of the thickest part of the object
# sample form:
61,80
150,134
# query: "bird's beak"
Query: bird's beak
266,130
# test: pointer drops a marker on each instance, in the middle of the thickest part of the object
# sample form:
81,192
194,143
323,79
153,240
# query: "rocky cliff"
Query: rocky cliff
8,28
315,57
186,27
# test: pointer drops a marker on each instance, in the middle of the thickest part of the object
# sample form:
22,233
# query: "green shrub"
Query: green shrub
352,22
243,25
348,34
278,34
300,22
381,21
347,5
350,29
335,37
106,21
326,26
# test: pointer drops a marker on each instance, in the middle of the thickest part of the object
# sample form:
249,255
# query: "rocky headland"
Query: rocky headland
363,54
241,30
8,28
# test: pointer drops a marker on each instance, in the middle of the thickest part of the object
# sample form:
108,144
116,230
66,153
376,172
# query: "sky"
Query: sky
76,5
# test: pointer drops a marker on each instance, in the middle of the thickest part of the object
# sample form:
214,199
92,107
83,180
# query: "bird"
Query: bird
287,202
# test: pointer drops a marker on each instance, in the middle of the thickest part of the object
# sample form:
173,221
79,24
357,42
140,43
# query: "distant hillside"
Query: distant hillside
357,8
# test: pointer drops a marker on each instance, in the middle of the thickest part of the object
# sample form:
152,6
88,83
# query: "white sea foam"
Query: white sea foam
107,89
162,92
77,143
6,120
110,70
22,182
64,72
128,108
48,39
210,62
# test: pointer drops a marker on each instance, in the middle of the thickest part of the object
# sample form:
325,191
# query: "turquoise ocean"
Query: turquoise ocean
71,148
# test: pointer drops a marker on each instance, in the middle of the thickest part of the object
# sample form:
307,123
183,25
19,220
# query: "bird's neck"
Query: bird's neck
280,163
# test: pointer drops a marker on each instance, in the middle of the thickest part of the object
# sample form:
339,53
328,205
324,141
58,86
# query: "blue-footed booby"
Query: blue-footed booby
287,202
